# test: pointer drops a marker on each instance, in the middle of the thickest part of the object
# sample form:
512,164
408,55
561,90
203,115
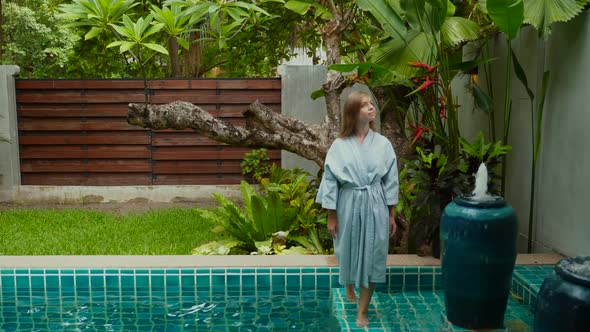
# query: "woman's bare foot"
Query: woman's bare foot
350,294
361,319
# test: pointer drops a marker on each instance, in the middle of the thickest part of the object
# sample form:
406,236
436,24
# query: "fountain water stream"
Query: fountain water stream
480,193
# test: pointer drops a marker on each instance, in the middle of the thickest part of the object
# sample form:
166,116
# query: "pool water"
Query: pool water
234,299
171,311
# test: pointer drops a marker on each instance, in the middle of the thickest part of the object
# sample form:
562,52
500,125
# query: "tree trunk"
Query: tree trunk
193,58
174,62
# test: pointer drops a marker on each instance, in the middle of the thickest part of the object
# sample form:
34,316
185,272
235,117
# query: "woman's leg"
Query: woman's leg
350,294
363,308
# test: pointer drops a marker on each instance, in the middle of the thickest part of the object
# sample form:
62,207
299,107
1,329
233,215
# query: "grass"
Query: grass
85,232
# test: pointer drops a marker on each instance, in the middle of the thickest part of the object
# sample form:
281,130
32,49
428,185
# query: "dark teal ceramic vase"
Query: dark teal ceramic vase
478,242
563,303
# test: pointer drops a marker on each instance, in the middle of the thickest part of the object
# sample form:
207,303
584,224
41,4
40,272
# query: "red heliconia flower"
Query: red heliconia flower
423,65
418,131
443,108
424,85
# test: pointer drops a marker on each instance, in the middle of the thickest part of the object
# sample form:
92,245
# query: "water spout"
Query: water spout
480,193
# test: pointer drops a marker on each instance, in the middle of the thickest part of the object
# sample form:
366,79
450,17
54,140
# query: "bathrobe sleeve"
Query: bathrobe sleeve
327,194
390,180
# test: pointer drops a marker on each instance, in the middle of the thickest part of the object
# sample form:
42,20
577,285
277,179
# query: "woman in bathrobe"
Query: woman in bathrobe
359,189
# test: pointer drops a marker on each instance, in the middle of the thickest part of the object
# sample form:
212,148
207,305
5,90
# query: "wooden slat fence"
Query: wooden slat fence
74,132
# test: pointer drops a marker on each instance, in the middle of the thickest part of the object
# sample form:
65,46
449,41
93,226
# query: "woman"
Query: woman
359,189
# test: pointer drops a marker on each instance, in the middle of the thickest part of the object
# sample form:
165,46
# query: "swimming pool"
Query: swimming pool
231,299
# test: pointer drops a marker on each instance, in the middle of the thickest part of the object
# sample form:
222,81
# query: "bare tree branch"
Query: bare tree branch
277,132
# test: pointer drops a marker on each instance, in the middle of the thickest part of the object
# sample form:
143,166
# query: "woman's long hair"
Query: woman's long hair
352,107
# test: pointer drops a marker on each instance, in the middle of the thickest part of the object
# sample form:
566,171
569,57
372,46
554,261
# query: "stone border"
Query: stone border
19,262
117,194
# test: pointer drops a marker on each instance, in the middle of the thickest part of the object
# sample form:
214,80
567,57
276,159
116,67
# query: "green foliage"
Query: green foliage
482,152
281,218
413,31
489,153
508,15
264,217
222,247
135,35
34,38
542,13
295,190
98,15
256,164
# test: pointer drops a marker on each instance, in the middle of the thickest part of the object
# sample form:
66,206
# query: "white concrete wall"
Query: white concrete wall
298,82
562,219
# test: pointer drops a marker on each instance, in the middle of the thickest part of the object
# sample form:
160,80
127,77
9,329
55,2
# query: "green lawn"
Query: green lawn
85,232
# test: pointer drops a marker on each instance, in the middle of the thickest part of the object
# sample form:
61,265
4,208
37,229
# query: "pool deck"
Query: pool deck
227,261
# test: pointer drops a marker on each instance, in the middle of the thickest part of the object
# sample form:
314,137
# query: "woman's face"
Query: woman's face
368,112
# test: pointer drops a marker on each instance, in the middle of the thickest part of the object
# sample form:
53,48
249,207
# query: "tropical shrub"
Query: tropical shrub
281,217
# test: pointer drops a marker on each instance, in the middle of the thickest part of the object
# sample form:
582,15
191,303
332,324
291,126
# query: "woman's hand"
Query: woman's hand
392,224
332,223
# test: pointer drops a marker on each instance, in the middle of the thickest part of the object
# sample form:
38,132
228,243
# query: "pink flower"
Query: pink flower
423,65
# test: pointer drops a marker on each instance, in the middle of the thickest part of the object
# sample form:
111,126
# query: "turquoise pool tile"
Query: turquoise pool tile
218,280
112,281
323,270
233,271
396,269
248,280
126,272
203,281
172,280
157,281
37,282
278,270
187,281
218,271
97,282
22,271
233,281
334,281
127,282
438,282
67,271
294,281
426,281
308,270
36,271
142,281
52,281
248,271
187,271
22,281
323,281
203,271
411,280
6,271
157,271
278,280
82,281
142,271
95,271
308,281
67,281
411,269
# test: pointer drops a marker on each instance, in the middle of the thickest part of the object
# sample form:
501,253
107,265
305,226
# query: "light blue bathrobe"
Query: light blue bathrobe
359,182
